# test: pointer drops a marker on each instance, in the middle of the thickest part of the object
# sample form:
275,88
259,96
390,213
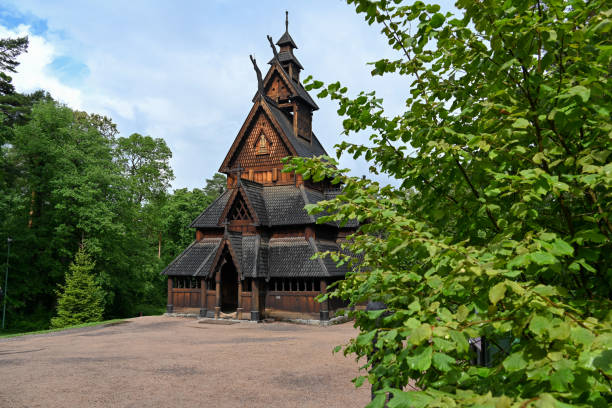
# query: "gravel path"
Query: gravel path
177,362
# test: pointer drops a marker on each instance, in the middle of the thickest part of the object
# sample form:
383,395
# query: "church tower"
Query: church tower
251,257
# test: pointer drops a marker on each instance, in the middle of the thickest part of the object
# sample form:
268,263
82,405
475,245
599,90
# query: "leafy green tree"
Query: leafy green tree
504,154
80,299
215,185
146,163
181,208
66,186
11,103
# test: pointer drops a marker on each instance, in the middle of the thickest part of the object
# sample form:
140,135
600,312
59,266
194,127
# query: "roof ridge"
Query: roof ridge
256,255
206,259
256,189
314,247
306,202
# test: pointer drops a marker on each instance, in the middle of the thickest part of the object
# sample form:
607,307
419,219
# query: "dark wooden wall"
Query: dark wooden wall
302,302
186,297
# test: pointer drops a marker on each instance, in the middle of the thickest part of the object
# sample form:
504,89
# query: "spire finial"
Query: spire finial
286,21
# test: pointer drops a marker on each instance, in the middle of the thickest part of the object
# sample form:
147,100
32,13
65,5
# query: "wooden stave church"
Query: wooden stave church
253,246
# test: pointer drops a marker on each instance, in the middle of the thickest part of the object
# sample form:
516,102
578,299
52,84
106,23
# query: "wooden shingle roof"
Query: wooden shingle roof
196,260
272,205
286,56
286,40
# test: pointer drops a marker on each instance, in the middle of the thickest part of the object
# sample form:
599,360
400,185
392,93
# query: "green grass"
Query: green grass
10,333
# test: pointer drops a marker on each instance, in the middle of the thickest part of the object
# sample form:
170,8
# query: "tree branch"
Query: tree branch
467,179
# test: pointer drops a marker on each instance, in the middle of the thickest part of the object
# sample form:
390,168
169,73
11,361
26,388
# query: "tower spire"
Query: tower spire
286,21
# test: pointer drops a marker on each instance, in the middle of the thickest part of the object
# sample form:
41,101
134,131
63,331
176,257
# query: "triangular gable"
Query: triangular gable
277,71
226,244
239,211
238,207
261,106
296,88
277,86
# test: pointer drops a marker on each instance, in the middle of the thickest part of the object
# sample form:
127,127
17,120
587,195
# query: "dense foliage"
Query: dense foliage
498,225
68,178
80,299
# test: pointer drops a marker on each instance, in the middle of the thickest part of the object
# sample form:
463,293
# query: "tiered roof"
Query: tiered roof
273,205
257,256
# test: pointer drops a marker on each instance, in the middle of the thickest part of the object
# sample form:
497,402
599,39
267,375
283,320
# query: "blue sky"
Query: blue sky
181,70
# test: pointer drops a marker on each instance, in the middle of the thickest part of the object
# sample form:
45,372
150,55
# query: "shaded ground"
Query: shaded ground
174,362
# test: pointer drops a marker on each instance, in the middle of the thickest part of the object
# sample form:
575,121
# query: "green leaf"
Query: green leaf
604,361
366,339
539,325
420,361
375,314
581,91
543,258
462,313
388,213
412,399
561,379
497,292
442,344
437,20
443,362
514,362
521,123
562,248
460,340
359,381
581,336
378,401
423,332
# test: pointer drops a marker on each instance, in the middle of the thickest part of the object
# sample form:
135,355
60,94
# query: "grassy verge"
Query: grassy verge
8,333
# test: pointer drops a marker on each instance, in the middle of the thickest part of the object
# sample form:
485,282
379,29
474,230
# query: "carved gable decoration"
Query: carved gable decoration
263,145
239,210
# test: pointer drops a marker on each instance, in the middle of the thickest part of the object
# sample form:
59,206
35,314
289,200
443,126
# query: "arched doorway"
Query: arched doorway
229,287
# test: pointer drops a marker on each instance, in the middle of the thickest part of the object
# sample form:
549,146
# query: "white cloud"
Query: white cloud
32,72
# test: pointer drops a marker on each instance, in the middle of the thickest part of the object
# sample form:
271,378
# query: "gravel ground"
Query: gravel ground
177,362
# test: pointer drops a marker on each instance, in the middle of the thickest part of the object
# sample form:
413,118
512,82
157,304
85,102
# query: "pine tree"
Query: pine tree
80,300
